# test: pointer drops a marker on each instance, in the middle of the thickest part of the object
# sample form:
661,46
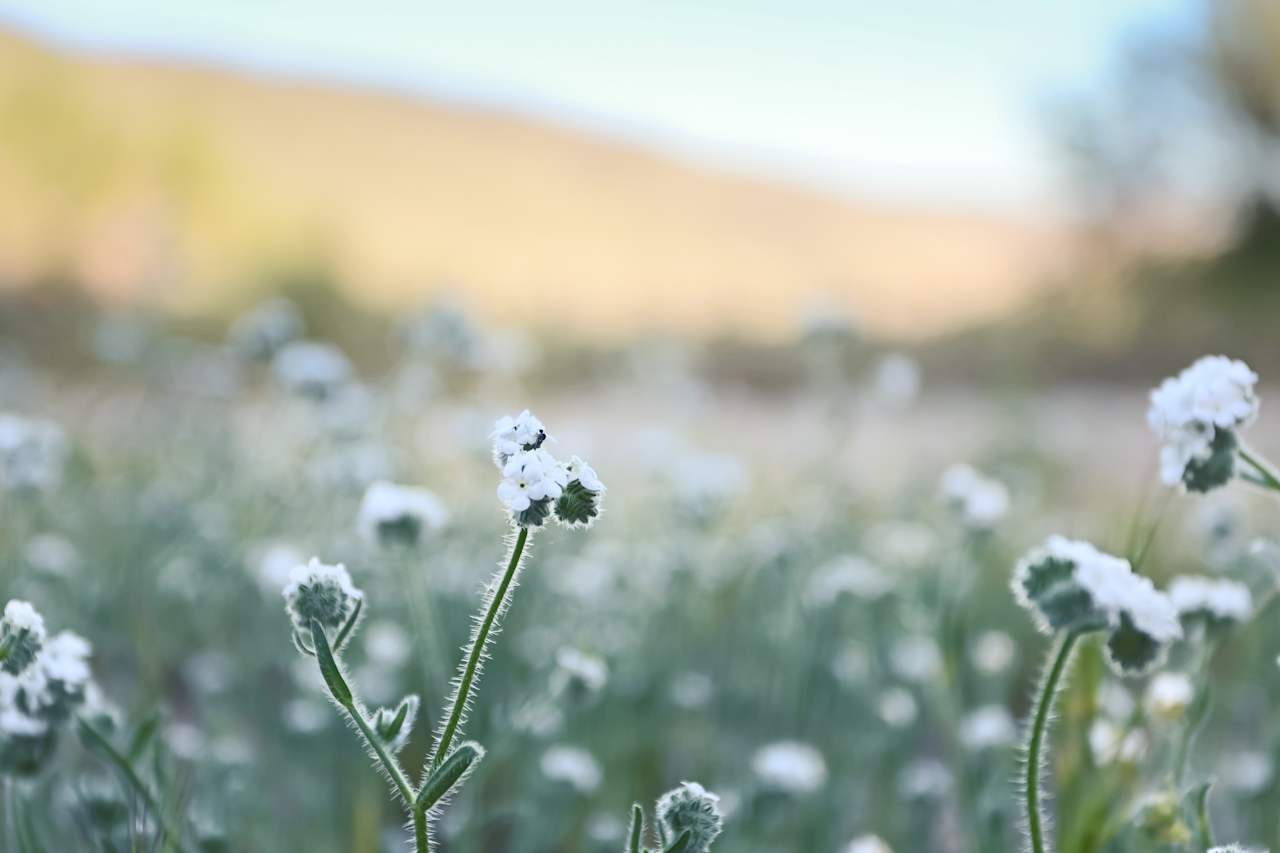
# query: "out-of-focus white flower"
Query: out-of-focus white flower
915,657
846,574
925,779
989,727
307,716
1236,848
511,435
868,844
1110,743
1116,700
981,501
264,329
311,368
33,453
993,652
273,562
705,479
897,379
1248,772
851,663
51,554
692,690
65,662
1169,694
390,512
321,592
579,671
1212,397
1217,599
901,543
790,766
897,707
573,766
387,644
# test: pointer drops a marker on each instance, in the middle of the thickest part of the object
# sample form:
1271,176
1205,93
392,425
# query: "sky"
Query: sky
911,101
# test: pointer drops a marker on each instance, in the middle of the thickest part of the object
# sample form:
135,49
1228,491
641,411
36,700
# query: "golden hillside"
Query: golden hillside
189,185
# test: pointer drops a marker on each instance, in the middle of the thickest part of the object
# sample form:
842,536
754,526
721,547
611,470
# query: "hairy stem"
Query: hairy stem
1035,745
460,698
386,759
421,830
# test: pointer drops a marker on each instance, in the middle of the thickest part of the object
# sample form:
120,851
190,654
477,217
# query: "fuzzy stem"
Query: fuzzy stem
1044,706
388,761
421,830
463,694
1267,477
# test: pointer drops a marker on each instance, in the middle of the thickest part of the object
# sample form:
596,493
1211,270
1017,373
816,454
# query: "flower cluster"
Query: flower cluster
52,681
392,513
1196,415
535,485
1071,586
980,501
311,369
1216,600
323,593
33,454
693,809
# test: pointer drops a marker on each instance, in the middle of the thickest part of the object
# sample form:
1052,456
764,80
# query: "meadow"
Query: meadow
800,600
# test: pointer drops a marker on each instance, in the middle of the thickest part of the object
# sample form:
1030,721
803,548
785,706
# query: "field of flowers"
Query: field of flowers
260,600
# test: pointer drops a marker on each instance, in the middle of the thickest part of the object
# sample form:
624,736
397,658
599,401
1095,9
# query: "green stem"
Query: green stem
475,653
421,830
1204,829
131,776
1044,705
1266,475
388,761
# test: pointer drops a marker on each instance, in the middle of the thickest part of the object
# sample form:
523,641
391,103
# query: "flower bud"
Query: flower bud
320,592
579,504
1160,820
693,809
22,635
394,725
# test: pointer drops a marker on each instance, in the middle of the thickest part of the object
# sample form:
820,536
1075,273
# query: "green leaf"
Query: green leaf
637,829
681,844
329,667
449,774
390,730
345,633
142,736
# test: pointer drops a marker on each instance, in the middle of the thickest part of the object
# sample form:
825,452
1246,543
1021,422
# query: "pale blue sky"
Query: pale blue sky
906,100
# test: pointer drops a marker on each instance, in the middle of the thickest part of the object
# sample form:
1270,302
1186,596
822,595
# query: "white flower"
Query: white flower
262,331
790,766
1215,393
33,453
868,844
915,657
65,660
1248,772
981,501
926,779
14,722
22,635
897,379
530,476
1220,599
22,616
1169,694
573,765
577,469
387,644
390,511
1111,584
988,727
575,666
897,707
512,435
1109,743
311,368
993,652
321,592
846,574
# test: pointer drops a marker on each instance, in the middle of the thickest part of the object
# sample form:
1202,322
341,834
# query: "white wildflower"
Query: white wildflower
980,500
572,765
896,381
993,652
868,844
846,574
580,671
1211,398
390,512
311,368
1218,599
925,779
989,727
790,766
513,435
1168,695
33,453
915,657
897,708
321,592
530,477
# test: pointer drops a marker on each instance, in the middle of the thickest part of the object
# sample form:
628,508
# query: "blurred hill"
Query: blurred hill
198,189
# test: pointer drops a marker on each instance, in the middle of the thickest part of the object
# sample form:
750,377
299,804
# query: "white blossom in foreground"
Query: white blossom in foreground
1196,415
512,435
790,766
22,635
1217,600
1070,585
868,844
1168,695
573,766
321,592
690,808
395,513
980,501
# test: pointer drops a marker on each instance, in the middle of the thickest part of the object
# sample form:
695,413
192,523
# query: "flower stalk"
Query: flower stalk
1060,658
